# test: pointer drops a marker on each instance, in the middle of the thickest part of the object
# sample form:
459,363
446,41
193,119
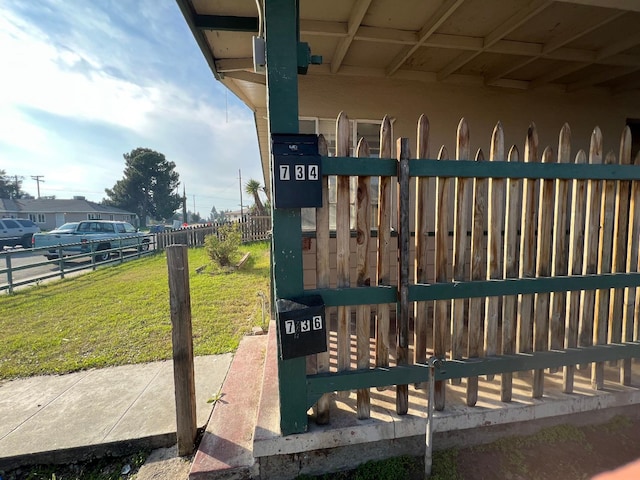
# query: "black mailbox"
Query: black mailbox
296,170
303,328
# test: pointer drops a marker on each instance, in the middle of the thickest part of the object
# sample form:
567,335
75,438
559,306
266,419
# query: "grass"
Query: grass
397,468
120,315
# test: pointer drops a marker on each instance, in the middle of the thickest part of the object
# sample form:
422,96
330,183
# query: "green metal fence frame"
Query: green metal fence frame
298,392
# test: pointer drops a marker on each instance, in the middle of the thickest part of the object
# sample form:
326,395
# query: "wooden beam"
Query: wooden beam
442,14
355,19
628,5
609,51
234,64
247,76
601,77
226,23
554,50
323,28
554,44
514,22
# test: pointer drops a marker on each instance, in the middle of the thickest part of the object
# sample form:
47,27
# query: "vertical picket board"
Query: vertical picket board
590,250
560,253
322,277
510,270
422,237
478,272
440,317
603,295
494,244
402,347
343,236
363,312
620,252
460,229
576,244
630,300
543,269
527,244
384,240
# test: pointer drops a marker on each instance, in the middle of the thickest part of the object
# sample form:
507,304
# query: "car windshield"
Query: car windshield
66,228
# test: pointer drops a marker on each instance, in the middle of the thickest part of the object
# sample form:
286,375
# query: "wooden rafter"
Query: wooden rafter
555,44
355,19
555,50
496,35
601,77
444,12
608,51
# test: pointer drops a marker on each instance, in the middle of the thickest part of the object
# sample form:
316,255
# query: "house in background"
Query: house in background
50,213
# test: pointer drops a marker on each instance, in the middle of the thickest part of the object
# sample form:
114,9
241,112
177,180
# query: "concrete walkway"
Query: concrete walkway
63,418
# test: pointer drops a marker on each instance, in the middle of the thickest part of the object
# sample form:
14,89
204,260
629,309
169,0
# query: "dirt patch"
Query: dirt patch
164,464
564,452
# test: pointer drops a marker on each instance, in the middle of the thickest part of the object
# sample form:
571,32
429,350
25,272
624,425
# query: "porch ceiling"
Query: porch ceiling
565,45
522,44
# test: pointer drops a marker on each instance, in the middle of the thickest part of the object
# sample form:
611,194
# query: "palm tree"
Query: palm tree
253,187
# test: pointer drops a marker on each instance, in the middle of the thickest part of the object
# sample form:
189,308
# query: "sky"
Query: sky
84,81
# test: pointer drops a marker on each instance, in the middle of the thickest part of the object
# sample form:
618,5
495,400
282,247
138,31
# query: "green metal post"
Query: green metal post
281,20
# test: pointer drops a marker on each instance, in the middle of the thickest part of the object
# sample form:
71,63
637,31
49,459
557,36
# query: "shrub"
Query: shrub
223,247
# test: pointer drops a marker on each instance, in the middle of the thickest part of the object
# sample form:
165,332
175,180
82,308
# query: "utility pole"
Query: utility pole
184,205
241,207
37,179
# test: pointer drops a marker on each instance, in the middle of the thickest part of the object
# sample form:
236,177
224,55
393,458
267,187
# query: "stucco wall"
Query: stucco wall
483,107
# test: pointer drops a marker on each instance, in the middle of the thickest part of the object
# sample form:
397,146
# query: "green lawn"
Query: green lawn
119,315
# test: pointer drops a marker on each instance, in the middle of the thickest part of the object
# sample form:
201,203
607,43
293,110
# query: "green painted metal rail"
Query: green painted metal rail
486,288
472,367
470,169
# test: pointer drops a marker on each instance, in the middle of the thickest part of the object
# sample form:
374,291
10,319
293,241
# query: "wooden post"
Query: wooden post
383,272
590,250
576,244
363,312
543,269
460,255
495,217
560,253
478,272
601,313
440,308
182,339
343,239
632,266
620,252
527,244
402,150
513,199
322,278
422,251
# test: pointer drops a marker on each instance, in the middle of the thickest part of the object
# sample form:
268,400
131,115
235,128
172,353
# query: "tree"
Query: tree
148,186
11,186
253,187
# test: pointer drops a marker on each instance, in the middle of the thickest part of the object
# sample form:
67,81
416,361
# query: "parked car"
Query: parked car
16,231
97,236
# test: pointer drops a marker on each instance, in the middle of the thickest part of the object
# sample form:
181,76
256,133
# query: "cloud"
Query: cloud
84,82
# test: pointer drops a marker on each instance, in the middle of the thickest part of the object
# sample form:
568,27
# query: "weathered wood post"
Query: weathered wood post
182,339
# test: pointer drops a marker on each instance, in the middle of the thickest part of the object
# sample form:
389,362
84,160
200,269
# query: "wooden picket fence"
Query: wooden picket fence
253,228
503,228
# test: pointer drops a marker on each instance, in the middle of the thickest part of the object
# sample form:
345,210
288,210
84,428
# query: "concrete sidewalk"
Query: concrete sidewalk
63,418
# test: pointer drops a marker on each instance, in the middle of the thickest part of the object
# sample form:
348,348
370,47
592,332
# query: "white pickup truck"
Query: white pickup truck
97,236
